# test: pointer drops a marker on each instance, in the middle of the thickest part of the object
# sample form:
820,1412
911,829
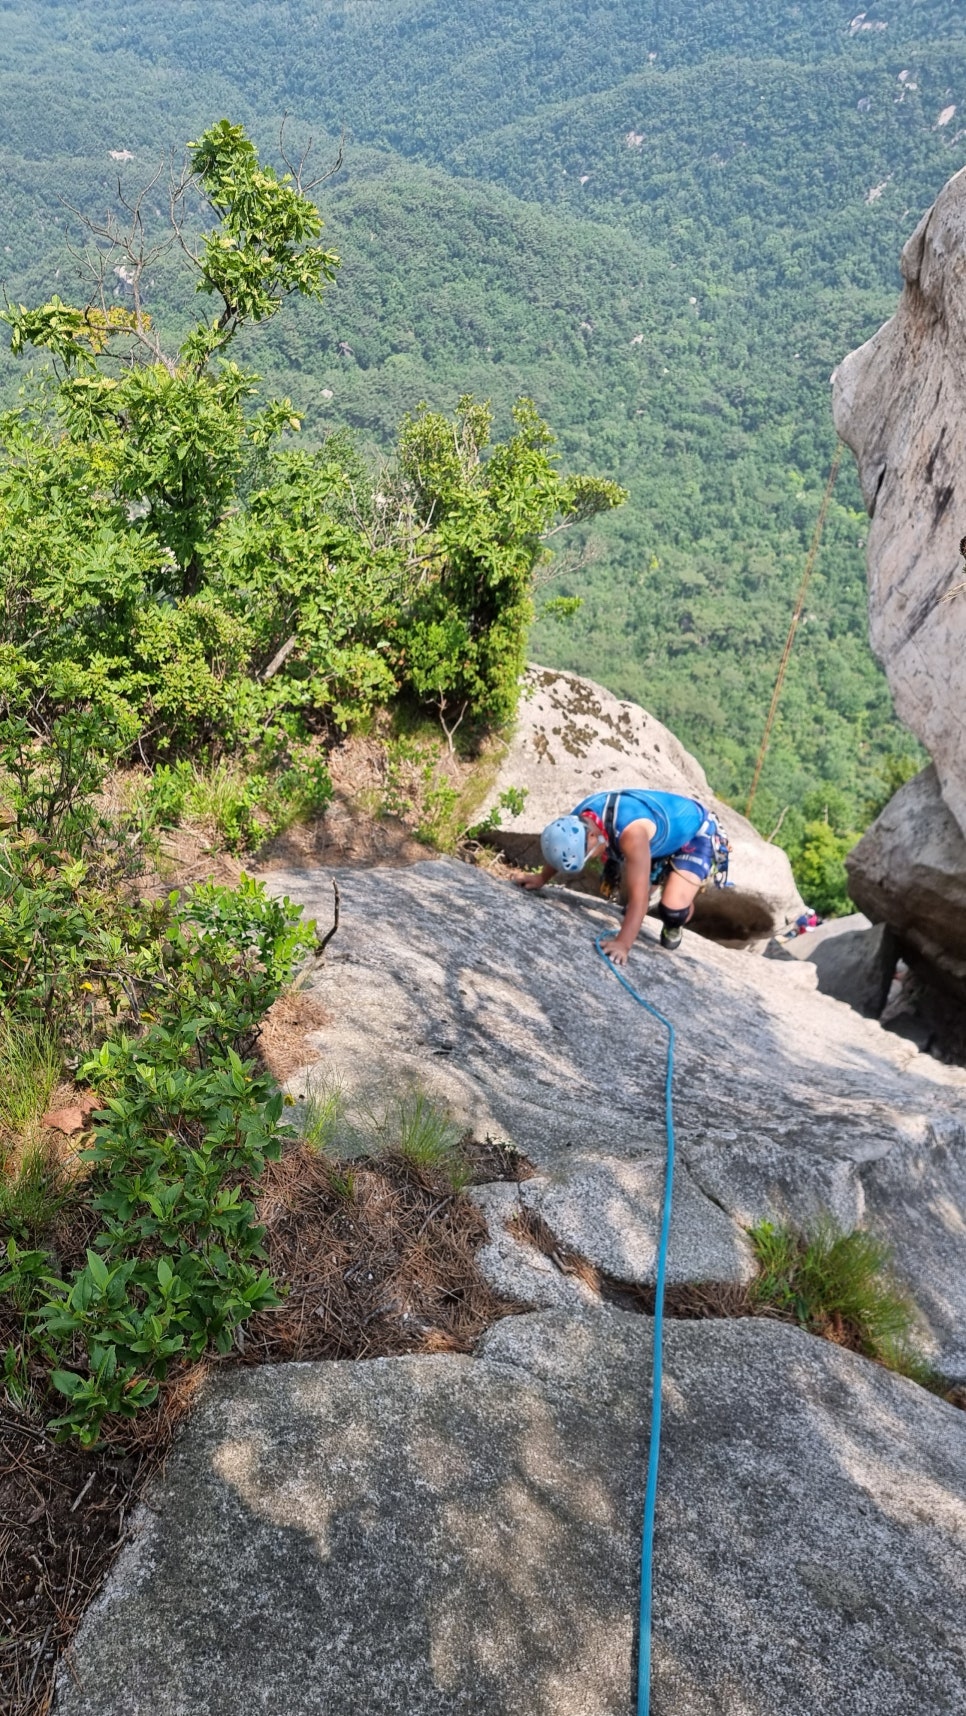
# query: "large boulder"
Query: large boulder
573,738
900,403
453,1536
909,870
788,1103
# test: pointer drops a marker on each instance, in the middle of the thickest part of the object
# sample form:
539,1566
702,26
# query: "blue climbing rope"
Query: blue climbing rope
657,1365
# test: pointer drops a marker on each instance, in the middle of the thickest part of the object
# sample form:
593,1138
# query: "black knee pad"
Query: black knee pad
674,917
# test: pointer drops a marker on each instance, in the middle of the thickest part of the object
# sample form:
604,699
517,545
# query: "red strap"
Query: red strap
590,816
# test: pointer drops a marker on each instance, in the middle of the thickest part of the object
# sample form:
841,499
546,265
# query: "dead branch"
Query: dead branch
322,942
279,658
449,731
778,824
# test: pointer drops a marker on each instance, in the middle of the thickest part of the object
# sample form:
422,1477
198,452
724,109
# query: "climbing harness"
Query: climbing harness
662,867
654,1434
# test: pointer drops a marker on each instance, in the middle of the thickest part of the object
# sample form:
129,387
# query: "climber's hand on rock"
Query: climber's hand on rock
615,951
531,880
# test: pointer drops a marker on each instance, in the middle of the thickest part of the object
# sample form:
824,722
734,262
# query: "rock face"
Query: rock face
909,870
455,1536
854,960
460,1537
787,1103
900,404
573,738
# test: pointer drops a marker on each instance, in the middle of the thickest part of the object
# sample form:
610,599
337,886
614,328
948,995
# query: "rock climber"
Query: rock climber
651,839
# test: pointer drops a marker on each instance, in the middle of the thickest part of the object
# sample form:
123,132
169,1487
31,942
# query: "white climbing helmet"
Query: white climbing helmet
564,844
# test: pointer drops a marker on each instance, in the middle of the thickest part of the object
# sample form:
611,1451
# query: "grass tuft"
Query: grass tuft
29,1070
425,1135
840,1286
322,1117
32,1198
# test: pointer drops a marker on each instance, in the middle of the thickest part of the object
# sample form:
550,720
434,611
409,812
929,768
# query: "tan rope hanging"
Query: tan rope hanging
796,616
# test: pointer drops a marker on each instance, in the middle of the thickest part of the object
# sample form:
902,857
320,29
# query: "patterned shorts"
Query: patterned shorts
697,859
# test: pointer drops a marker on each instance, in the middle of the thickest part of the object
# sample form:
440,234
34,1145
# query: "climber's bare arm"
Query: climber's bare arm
635,844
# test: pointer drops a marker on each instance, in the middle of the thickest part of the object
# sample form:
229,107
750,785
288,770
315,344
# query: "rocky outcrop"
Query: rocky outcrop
788,1103
452,1535
460,1536
573,738
900,404
909,870
854,960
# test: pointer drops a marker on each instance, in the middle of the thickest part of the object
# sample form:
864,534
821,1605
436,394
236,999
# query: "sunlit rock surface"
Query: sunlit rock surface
900,404
460,1537
788,1103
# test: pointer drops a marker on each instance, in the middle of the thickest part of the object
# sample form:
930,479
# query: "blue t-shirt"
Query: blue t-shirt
676,819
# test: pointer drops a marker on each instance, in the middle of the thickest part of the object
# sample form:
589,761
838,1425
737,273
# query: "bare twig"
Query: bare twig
449,731
75,1504
778,823
280,658
323,941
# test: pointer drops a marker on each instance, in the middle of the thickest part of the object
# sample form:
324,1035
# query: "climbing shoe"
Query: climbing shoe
671,936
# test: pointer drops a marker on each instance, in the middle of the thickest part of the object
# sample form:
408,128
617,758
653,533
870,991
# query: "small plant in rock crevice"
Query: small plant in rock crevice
371,1125
322,1115
840,1286
425,1135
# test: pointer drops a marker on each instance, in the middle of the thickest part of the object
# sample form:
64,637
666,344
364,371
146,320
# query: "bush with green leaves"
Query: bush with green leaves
185,1127
222,591
485,522
155,1004
817,838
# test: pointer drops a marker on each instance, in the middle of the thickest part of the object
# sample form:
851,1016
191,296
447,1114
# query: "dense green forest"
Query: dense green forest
665,223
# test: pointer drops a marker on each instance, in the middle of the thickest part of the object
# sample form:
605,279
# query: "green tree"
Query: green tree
484,524
819,868
159,540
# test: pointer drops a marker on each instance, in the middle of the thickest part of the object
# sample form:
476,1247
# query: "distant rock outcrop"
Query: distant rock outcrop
573,738
899,402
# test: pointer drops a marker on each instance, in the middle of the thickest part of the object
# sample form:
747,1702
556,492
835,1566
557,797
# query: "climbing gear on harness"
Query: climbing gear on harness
564,844
613,863
657,1361
721,846
710,833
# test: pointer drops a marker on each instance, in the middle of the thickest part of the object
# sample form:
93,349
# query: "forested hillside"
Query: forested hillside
666,223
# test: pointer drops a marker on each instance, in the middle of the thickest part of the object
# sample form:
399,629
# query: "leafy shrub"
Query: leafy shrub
513,800
161,1001
185,1125
819,869
486,519
160,543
